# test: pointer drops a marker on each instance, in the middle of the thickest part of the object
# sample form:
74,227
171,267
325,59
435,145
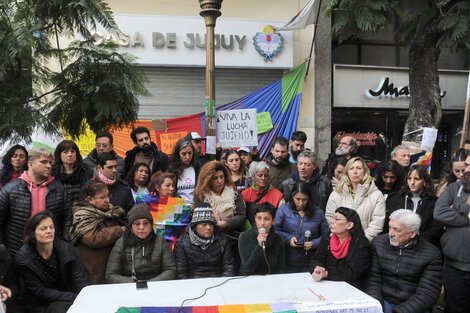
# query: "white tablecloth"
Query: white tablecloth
298,289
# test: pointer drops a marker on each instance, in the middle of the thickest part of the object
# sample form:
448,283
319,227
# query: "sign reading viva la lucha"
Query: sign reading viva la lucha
180,41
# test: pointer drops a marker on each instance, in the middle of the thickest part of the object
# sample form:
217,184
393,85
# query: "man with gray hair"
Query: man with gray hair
34,191
405,273
309,172
402,155
347,148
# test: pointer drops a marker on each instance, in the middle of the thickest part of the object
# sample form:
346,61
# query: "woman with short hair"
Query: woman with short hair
49,267
345,253
357,191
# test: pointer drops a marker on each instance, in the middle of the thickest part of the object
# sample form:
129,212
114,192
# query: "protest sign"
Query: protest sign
264,121
168,141
237,128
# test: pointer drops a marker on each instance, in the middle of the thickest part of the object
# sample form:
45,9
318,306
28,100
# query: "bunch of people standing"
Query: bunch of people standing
68,221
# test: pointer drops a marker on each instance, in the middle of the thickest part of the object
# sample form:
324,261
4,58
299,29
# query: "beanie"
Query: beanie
203,214
139,211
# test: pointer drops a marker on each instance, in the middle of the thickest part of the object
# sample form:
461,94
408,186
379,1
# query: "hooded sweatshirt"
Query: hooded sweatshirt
38,193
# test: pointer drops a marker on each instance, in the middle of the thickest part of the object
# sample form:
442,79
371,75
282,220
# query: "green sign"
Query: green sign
209,106
265,124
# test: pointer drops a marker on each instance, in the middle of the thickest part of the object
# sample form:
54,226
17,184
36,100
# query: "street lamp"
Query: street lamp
210,11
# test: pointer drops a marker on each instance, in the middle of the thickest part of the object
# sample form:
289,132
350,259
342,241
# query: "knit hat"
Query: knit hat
203,214
139,211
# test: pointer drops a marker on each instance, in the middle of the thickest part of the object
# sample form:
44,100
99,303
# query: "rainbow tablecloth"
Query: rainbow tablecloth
233,308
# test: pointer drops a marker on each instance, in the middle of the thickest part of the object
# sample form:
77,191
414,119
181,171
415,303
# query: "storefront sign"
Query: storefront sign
365,139
181,41
387,88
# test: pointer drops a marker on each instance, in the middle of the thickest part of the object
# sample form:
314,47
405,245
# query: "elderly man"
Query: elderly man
347,148
402,155
104,144
34,191
308,171
405,273
452,210
202,251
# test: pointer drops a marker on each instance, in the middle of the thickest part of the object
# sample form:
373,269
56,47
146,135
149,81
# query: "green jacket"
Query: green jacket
161,266
251,253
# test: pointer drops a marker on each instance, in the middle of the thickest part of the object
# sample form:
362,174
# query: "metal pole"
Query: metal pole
210,11
466,117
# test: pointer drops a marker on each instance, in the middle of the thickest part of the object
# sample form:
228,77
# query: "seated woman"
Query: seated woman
138,179
345,254
96,226
262,251
260,191
140,254
203,251
49,267
301,224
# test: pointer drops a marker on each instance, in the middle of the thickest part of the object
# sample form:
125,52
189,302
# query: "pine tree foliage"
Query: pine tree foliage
54,84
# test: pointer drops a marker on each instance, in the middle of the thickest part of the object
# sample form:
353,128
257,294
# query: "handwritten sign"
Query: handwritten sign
264,122
237,128
429,138
168,141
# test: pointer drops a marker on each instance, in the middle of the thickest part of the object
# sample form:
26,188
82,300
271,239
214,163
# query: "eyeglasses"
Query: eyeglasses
102,145
103,197
344,144
336,220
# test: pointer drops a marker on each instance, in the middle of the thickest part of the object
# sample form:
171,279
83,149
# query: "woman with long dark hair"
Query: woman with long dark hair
138,179
418,195
454,170
345,253
69,169
301,224
15,162
49,267
140,254
184,164
237,169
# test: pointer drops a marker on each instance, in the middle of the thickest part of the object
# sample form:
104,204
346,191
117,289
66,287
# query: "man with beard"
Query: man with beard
34,191
296,145
452,210
347,148
405,272
278,161
309,172
104,143
120,193
145,151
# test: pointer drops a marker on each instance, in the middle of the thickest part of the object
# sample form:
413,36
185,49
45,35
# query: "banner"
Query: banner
305,17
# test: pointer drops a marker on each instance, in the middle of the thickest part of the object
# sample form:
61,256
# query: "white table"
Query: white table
297,289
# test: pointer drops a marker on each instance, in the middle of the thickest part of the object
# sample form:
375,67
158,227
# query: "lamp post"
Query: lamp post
210,11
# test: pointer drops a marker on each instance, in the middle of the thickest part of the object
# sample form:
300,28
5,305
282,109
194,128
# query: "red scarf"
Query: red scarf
339,250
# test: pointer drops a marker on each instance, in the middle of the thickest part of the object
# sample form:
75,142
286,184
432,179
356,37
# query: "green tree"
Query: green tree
434,26
94,84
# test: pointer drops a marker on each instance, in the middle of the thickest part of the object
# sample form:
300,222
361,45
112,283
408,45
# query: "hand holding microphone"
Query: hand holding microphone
262,235
308,244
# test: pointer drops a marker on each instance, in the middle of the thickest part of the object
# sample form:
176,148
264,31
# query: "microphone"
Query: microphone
307,235
262,230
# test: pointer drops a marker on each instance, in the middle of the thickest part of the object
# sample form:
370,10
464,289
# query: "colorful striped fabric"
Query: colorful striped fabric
170,216
282,307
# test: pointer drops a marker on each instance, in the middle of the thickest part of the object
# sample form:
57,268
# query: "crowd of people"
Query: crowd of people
67,221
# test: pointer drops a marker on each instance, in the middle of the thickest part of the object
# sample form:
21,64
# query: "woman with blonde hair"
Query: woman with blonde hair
356,190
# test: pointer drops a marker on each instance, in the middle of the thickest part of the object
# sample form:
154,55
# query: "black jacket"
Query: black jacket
15,209
193,262
160,159
409,277
430,229
38,292
349,269
73,183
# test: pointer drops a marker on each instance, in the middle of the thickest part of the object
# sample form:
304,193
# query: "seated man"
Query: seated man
405,274
201,252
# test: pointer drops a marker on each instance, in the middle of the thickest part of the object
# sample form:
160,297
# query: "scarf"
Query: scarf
88,218
198,241
339,250
223,205
106,180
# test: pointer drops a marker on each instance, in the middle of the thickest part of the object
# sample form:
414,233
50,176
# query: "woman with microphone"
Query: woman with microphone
262,251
